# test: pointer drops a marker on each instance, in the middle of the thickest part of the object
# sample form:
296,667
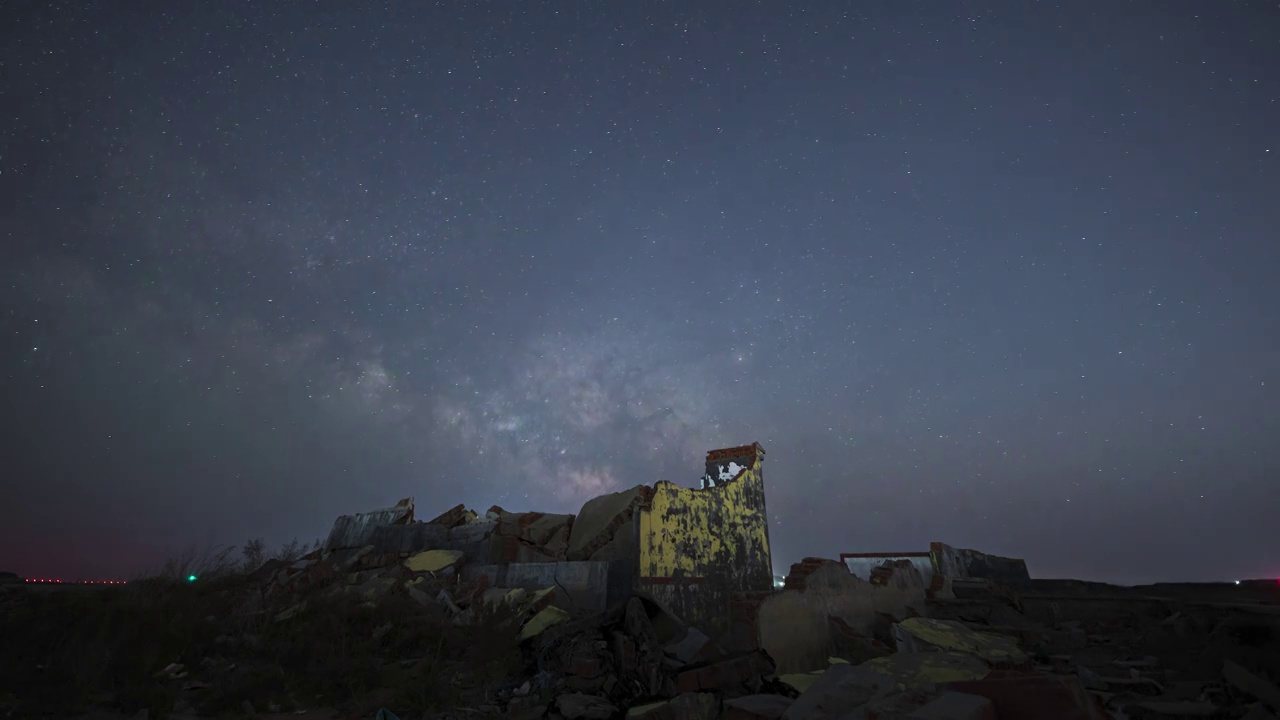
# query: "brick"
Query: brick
1035,695
737,674
624,652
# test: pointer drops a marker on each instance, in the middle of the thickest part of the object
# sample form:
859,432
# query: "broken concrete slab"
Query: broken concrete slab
434,561
800,682
545,618
908,671
643,712
688,706
377,586
1170,710
600,519
795,626
1035,695
1126,685
453,517
691,648
956,706
734,676
580,706
349,559
1257,712
546,530
356,531
757,707
850,645
500,596
927,635
841,688
1251,684
963,563
410,538
579,586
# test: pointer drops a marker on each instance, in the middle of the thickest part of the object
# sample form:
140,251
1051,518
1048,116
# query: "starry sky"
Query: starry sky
999,274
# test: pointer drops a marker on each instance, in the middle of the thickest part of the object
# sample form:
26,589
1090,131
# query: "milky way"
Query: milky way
1000,277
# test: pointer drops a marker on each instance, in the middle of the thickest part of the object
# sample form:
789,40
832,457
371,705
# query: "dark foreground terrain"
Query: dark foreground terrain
319,640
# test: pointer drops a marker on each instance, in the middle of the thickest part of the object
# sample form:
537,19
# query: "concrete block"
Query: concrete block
356,531
433,561
600,518
835,692
410,538
737,675
962,563
957,706
579,586
579,706
1040,696
928,635
757,707
689,706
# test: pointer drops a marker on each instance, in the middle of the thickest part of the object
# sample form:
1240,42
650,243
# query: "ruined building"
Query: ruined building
699,547
691,548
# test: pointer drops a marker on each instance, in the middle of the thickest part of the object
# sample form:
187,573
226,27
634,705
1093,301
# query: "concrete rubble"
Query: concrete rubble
945,634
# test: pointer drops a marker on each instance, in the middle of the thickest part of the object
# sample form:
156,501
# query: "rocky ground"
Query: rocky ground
354,635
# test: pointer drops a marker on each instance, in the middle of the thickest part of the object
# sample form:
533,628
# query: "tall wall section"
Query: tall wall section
697,547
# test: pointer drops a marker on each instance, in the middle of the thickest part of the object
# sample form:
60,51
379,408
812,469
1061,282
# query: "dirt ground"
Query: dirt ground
351,642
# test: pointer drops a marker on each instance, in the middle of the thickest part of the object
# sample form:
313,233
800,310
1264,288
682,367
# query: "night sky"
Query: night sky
1000,274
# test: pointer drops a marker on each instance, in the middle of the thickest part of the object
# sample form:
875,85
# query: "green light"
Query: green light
191,578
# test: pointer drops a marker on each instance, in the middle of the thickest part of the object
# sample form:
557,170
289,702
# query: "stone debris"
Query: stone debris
545,618
689,706
1257,712
433,561
944,635
956,706
828,644
356,531
580,706
1252,685
757,707
927,635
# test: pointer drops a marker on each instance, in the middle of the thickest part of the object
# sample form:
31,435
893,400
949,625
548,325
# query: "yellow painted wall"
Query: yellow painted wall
697,546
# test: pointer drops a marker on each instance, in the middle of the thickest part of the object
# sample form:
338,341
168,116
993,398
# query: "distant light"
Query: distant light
1237,582
191,578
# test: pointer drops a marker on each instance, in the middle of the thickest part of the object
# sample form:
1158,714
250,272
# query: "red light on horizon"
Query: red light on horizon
58,581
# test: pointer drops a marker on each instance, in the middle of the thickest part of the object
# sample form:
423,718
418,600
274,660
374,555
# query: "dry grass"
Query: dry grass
67,650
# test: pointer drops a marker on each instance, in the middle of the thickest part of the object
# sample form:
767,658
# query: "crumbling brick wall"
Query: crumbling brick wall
700,546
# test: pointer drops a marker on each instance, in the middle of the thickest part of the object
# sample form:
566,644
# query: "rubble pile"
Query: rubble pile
562,617
827,645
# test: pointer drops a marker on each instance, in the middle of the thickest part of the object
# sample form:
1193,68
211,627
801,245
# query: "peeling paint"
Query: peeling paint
433,560
953,636
546,618
699,546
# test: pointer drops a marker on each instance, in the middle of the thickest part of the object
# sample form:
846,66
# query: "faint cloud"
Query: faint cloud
581,483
